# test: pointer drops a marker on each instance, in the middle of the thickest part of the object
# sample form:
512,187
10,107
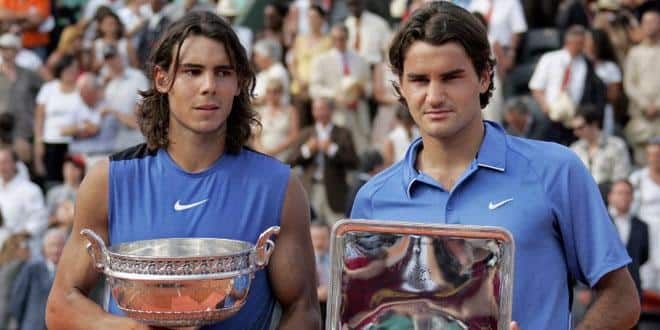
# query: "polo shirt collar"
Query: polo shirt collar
491,156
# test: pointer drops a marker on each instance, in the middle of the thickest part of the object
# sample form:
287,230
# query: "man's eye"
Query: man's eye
192,72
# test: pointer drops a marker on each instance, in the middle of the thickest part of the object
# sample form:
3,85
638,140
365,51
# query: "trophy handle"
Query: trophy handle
265,246
96,248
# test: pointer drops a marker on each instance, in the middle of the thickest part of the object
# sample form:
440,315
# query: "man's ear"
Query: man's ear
161,80
484,80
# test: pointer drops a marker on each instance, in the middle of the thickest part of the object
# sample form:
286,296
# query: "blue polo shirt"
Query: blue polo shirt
539,191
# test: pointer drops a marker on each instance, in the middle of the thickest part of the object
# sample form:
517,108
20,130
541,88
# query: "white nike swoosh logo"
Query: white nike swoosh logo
492,206
180,207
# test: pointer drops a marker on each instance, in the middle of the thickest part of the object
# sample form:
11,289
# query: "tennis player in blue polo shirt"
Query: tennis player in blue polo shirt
464,170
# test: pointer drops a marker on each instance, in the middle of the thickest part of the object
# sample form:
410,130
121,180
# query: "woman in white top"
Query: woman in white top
398,140
600,51
279,123
60,114
110,31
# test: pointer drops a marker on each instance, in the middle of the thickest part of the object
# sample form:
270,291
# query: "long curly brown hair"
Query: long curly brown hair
154,111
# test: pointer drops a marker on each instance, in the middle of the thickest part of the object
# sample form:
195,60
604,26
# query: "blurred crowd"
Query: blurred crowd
577,72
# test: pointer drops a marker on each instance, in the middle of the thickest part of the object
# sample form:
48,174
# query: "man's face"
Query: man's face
355,7
204,88
339,38
53,247
620,197
71,172
441,89
321,111
574,44
7,165
516,120
582,129
653,156
8,54
651,24
272,18
114,63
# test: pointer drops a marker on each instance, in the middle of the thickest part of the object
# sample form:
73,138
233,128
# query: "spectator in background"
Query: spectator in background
133,17
279,123
387,101
273,29
176,9
227,9
156,25
268,59
110,32
399,139
646,182
33,283
21,201
63,216
573,12
123,84
27,18
70,43
345,77
563,80
73,172
325,152
24,58
368,33
14,252
600,52
505,20
306,48
18,91
100,143
606,157
634,233
642,83
59,116
371,163
618,23
520,120
320,233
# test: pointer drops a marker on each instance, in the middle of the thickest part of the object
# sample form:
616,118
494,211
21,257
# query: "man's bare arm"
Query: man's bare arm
68,306
291,269
617,304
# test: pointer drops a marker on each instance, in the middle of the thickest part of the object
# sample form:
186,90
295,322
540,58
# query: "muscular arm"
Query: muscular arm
68,306
617,304
295,290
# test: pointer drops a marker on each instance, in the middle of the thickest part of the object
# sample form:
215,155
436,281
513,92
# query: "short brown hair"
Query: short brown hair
153,112
438,23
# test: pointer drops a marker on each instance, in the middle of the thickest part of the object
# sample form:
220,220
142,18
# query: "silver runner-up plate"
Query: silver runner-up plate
402,275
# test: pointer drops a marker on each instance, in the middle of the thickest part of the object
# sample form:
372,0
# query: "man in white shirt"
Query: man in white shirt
21,201
368,33
344,76
121,95
561,71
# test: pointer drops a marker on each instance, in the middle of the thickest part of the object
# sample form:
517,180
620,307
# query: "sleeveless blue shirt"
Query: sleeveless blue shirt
238,197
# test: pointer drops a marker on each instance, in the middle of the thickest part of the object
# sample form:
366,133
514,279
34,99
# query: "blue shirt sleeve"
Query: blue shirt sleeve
362,204
591,243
